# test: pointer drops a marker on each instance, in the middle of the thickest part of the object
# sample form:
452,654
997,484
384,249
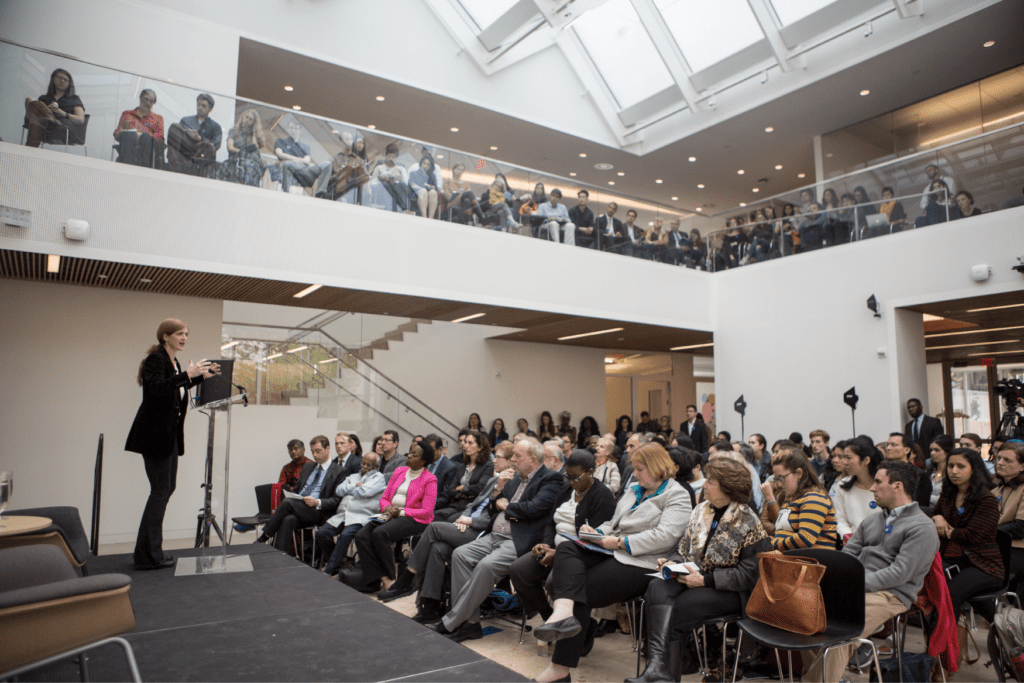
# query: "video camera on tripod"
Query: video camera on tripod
1012,424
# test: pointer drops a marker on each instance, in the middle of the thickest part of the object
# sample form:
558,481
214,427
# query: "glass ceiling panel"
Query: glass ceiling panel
792,11
486,12
623,53
709,32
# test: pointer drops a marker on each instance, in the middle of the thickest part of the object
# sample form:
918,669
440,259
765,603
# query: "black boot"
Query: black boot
660,650
429,612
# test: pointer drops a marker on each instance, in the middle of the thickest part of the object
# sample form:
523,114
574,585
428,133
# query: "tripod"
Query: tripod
1011,426
206,516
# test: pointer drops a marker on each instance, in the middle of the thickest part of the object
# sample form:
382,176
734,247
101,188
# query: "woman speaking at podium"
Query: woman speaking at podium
158,432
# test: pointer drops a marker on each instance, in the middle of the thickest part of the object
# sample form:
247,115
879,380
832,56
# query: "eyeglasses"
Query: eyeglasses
576,479
148,100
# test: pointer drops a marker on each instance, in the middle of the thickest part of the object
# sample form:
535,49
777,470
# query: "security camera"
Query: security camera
980,272
75,229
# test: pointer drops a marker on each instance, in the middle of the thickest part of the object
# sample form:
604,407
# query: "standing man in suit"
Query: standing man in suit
317,485
348,460
517,523
583,218
695,428
608,229
922,429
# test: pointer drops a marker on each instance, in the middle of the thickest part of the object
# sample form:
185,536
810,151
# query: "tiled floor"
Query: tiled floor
613,657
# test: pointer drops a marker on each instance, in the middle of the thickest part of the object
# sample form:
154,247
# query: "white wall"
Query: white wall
792,335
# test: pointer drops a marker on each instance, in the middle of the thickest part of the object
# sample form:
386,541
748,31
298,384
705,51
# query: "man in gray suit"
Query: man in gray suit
518,513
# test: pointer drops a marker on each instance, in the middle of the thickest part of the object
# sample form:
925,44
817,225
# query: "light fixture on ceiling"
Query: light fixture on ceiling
829,155
609,361
756,189
740,172
329,360
572,175
469,317
493,148
289,88
372,127
440,156
769,129
227,346
692,159
620,174
675,199
297,349
611,182
778,167
989,43
743,203
801,175
993,308
273,356
590,334
335,131
980,330
296,107
583,155
145,280
53,263
700,186
659,181
307,291
865,92
454,130
984,343
102,276
996,353
604,166
699,209
692,346
380,98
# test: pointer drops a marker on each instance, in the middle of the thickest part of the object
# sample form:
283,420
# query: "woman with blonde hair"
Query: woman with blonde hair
244,142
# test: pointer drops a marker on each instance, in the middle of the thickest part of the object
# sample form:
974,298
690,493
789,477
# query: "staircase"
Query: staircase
396,335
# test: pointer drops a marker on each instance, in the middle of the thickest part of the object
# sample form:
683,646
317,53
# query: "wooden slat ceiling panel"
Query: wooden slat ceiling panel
537,326
997,333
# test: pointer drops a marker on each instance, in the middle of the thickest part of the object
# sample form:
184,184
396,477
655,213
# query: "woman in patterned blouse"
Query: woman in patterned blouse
804,517
140,133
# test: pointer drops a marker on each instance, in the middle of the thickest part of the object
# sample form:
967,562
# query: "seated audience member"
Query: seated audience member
786,234
966,518
588,429
347,458
244,164
316,485
524,427
665,428
632,234
434,551
678,247
387,448
646,425
566,431
348,179
892,208
424,185
494,204
529,202
443,469
971,440
472,473
583,218
655,242
59,109
609,229
813,229
853,495
734,243
627,480
932,171
548,428
965,204
297,166
406,507
360,499
761,454
498,432
1009,491
290,472
475,423
760,237
462,203
558,222
836,470
518,517
689,474
607,470
940,449
623,429
940,207
864,207
725,449
806,518
140,133
647,525
723,538
819,450
194,141
392,187
896,545
554,455
896,448
584,500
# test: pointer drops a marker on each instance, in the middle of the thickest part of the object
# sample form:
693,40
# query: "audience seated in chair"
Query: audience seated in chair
387,448
425,186
350,454
291,472
193,142
443,469
140,134
59,109
473,471
804,517
558,224
360,499
297,166
244,142
583,218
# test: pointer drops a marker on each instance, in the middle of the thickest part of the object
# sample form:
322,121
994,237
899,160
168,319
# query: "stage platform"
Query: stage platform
283,621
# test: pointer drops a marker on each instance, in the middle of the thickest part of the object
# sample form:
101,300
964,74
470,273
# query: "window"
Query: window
706,36
792,11
486,12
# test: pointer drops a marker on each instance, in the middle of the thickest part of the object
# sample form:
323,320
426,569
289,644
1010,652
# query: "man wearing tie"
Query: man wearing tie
348,460
634,235
678,244
695,428
609,229
922,429
310,508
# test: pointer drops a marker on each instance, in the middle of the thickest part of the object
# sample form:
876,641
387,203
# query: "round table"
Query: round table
12,525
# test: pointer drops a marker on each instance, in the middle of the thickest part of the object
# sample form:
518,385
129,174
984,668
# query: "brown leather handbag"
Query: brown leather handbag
788,594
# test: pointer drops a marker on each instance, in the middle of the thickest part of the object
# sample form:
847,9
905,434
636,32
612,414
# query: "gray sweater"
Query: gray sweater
652,528
897,561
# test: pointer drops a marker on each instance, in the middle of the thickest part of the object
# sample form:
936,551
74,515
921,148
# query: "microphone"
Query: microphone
245,397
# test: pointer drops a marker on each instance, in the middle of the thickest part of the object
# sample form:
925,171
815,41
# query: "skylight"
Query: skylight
792,11
707,36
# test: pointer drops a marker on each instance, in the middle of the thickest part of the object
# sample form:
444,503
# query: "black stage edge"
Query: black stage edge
283,621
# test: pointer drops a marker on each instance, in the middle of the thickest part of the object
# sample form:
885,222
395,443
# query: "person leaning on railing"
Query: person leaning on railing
58,108
940,207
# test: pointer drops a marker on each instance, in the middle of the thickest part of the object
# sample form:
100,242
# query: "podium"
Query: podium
215,559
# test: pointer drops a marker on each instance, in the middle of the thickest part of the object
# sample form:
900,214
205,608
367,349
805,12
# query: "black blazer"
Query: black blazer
328,498
350,466
159,425
596,508
479,477
445,474
930,428
699,434
528,515
600,228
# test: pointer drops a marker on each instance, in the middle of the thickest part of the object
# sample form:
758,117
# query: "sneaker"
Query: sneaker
242,528
861,658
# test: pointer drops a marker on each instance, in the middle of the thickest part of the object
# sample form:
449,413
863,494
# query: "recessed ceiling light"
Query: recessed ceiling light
307,291
659,181
469,317
769,129
992,308
493,148
621,174
440,156
989,43
994,353
743,203
611,182
675,199
700,186
145,280
335,131
289,88
801,175
740,172
865,93
699,209
778,167
102,276
372,127
380,98
756,189
454,130
296,107
829,155
573,175
691,346
53,263
693,159
583,155
591,334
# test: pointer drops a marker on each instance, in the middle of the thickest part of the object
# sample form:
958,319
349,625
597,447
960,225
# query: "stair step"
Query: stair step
381,344
394,335
364,354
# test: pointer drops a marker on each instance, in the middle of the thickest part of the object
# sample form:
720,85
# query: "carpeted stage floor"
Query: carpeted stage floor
283,621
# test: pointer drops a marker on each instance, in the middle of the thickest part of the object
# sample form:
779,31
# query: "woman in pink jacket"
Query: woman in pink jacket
407,507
